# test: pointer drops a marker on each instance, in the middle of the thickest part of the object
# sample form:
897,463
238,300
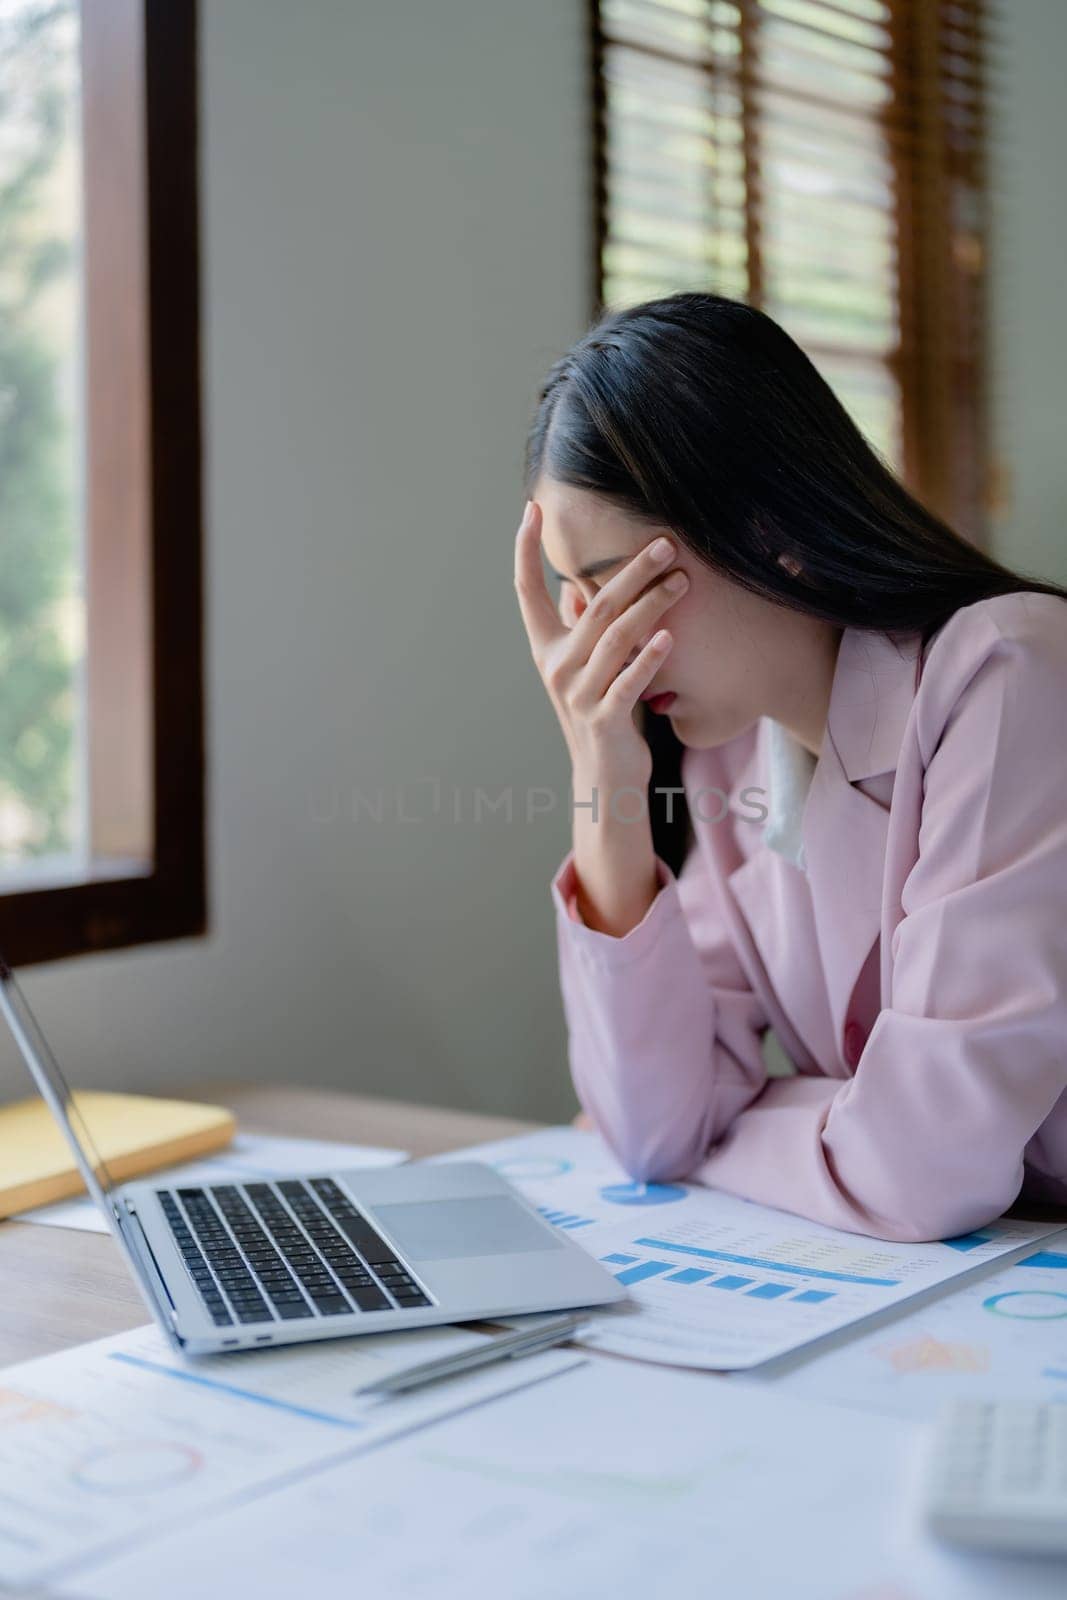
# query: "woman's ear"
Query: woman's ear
791,565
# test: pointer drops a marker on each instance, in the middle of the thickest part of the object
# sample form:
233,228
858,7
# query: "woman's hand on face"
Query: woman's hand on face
589,668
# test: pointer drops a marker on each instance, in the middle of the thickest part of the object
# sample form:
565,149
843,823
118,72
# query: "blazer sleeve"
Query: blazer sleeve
969,1056
664,1031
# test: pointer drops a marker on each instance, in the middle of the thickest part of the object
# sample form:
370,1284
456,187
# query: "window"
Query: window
101,764
821,159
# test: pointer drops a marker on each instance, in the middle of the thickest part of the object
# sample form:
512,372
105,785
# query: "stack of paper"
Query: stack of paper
611,1482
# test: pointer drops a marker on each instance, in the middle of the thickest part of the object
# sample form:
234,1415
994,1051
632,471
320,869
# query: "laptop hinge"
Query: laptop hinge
152,1279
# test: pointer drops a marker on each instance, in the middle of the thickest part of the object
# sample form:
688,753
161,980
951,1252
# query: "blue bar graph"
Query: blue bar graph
637,1270
642,1194
564,1219
644,1269
967,1241
649,1269
769,1266
1045,1258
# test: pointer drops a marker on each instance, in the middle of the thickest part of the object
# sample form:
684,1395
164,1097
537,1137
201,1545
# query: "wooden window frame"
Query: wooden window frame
942,230
146,697
943,242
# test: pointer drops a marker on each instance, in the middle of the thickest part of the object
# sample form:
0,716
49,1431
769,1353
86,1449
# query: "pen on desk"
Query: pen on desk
527,1341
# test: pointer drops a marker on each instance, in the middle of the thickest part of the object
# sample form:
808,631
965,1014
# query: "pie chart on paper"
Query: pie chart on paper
137,1466
642,1194
533,1169
1029,1305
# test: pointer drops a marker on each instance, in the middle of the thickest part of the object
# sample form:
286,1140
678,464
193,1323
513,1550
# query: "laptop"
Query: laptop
236,1266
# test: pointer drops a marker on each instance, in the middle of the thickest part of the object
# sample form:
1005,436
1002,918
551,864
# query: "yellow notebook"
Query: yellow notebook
133,1134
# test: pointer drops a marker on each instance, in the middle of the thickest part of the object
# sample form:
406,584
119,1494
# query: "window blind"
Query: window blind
821,159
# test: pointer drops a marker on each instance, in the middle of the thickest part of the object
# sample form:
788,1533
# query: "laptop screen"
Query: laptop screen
44,1069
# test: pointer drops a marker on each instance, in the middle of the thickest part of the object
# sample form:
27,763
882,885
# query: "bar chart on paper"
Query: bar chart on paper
634,1269
708,1293
566,1219
726,1288
717,1282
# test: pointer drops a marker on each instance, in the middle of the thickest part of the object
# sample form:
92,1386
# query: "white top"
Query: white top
790,767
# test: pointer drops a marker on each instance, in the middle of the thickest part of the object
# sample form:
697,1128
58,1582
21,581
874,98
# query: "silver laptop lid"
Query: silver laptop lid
44,1069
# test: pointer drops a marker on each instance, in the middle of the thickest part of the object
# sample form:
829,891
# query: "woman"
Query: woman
870,719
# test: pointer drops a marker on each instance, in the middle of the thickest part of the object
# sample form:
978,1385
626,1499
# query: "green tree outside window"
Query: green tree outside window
40,582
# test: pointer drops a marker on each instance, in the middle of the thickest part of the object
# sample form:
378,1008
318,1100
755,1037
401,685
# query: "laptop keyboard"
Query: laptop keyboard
264,1252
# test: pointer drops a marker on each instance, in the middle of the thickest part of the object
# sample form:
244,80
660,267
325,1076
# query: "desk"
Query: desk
59,1287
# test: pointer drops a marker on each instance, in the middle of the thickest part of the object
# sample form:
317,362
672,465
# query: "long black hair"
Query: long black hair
701,414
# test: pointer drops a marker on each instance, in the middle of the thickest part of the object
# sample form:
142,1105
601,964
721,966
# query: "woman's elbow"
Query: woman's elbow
651,1158
915,1220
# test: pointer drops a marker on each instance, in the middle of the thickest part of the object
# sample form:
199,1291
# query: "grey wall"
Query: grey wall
1030,315
396,247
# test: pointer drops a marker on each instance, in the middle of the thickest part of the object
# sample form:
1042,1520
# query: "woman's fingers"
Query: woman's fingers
628,633
539,613
619,593
625,691
587,661
568,605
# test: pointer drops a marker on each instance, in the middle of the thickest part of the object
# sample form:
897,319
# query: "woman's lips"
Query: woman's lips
660,703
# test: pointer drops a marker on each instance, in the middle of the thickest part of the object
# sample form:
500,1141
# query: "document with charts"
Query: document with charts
111,1442
1004,1335
718,1282
612,1482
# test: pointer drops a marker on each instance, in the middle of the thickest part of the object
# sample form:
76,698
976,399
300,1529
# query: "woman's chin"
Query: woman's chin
702,730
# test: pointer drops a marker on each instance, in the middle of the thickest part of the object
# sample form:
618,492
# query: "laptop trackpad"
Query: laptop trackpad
434,1230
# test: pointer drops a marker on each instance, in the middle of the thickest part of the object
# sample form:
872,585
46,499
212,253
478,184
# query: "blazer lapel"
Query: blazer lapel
844,830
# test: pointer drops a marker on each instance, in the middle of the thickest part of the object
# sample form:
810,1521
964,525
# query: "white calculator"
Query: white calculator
995,1476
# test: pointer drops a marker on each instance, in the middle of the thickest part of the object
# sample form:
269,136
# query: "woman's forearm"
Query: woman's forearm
614,859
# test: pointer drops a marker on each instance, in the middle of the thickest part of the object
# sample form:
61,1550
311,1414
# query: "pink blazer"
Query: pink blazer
915,974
